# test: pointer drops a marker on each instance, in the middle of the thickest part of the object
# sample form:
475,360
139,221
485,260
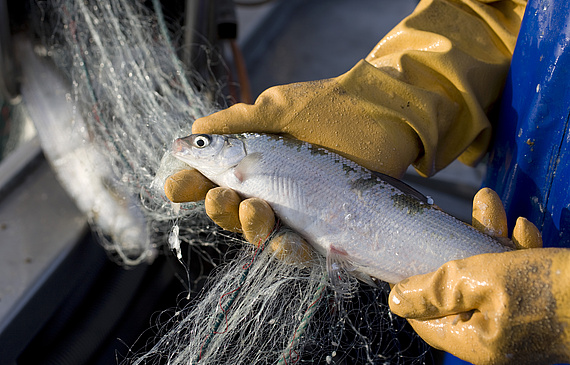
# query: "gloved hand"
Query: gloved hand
420,97
511,307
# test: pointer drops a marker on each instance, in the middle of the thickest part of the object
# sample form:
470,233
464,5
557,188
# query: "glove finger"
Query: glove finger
290,247
187,186
238,118
222,206
526,235
488,213
446,291
257,220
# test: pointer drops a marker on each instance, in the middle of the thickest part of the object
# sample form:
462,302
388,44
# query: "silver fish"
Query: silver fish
371,223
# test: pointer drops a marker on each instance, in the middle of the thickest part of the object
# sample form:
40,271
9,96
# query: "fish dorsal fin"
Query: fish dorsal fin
403,187
246,165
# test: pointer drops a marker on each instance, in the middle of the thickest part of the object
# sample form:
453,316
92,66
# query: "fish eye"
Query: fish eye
201,140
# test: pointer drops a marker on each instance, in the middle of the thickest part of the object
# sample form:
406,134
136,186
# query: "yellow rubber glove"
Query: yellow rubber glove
420,97
511,307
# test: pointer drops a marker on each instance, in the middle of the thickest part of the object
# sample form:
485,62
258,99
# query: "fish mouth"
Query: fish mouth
179,146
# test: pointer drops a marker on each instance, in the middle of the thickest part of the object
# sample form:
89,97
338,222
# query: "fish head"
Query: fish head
211,154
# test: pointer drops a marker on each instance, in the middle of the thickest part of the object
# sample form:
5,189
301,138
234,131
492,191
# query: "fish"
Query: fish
370,224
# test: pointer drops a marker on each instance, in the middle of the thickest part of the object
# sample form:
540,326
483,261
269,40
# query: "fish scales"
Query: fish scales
378,225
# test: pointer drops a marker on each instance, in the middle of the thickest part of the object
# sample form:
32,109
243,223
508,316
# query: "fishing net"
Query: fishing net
262,310
129,97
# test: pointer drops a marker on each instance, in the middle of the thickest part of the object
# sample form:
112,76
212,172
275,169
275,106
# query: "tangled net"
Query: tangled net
261,310
130,97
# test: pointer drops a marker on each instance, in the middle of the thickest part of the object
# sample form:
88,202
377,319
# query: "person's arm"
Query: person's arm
420,98
431,80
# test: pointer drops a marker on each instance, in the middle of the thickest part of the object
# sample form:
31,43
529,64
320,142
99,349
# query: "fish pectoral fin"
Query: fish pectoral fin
367,279
246,165
338,267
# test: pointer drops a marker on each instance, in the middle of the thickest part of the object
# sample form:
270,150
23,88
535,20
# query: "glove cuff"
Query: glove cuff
433,73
